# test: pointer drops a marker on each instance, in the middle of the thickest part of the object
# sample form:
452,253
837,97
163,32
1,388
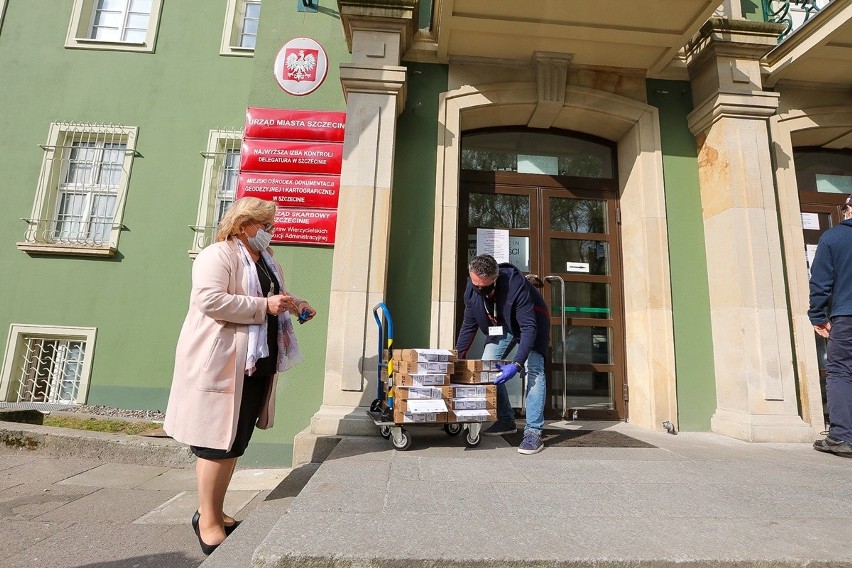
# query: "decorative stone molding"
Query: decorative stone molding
756,105
387,80
551,72
382,16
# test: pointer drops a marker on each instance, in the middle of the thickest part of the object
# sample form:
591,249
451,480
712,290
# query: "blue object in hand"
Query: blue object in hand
508,371
304,316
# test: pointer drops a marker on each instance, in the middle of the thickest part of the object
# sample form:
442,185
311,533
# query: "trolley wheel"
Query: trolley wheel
385,432
402,441
472,439
453,429
376,406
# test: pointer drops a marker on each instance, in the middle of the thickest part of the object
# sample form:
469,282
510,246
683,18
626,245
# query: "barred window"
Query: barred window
81,190
218,184
241,21
125,25
45,365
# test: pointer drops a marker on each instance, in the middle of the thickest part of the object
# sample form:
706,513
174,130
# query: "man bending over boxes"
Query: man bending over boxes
509,310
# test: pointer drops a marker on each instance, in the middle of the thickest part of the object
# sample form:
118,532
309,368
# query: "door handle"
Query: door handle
554,279
535,280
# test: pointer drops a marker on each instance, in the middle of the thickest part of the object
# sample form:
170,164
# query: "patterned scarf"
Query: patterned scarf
289,353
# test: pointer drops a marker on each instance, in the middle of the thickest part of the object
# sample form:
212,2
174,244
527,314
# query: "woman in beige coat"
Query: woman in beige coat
236,337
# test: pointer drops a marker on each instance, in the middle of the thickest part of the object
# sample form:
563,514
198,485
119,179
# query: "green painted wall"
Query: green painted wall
175,96
413,217
696,387
307,268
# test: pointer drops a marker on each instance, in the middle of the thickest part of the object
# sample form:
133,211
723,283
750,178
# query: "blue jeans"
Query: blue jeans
838,384
535,386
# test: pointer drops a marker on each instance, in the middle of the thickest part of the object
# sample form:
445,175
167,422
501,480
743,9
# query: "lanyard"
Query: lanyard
492,317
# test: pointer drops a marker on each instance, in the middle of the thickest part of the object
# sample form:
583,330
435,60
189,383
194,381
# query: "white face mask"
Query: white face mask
260,242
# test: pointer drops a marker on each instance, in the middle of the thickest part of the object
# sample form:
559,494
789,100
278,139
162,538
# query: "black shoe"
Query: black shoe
231,528
205,548
834,446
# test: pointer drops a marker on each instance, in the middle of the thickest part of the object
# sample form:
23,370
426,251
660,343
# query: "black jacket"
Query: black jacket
519,307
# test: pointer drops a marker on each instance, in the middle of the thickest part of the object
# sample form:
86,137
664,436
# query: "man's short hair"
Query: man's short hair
483,266
848,201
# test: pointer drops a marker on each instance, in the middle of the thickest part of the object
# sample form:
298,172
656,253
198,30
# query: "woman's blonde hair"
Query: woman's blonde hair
244,210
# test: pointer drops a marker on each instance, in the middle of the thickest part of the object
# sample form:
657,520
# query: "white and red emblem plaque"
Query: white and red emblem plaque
300,66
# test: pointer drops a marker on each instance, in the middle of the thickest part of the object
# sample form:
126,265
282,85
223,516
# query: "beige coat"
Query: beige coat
207,386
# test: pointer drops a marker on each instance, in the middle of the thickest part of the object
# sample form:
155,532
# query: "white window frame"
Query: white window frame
39,238
82,18
212,183
3,4
15,345
234,18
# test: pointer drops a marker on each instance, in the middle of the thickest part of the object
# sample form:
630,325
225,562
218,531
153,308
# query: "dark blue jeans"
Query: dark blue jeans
838,384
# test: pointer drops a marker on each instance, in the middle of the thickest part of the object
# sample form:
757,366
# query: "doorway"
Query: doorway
563,234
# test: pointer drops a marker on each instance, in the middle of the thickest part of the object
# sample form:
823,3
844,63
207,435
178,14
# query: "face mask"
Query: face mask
260,241
485,290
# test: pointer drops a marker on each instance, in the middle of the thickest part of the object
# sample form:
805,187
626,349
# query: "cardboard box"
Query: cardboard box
473,391
423,367
424,355
400,417
420,380
475,377
463,365
484,403
415,393
471,416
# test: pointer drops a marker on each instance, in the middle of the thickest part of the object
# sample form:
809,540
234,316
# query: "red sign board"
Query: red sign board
286,156
282,124
307,226
291,190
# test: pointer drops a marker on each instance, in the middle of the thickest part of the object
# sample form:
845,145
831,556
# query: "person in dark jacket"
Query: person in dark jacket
831,315
500,302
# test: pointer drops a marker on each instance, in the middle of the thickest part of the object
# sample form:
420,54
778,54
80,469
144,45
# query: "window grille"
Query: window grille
82,186
50,370
219,187
121,20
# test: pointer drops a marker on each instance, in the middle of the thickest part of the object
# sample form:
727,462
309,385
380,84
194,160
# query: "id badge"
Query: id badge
495,330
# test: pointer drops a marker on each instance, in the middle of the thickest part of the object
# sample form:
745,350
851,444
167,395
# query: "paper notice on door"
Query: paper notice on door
494,242
810,221
810,251
577,267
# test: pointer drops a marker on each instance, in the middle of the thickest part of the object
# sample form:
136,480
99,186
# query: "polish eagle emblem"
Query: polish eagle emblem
301,67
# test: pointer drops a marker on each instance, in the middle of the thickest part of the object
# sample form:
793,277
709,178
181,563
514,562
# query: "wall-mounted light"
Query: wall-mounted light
307,5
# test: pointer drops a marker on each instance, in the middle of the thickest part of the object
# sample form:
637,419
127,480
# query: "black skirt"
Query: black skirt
255,389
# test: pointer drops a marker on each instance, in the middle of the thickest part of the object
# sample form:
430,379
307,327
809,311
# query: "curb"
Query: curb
118,448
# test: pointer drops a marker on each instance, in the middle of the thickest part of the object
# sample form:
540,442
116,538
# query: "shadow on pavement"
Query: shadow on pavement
164,560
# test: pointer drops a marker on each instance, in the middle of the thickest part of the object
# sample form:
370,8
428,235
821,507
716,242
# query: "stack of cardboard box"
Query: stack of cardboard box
420,379
432,386
473,396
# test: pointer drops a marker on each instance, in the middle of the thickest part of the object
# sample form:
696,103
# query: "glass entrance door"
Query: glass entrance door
563,235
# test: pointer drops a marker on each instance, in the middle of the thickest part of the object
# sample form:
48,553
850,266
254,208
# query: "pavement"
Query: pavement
688,500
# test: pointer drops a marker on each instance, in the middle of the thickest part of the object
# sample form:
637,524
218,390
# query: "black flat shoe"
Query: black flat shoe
231,528
205,548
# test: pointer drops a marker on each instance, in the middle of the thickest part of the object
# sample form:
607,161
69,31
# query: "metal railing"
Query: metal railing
792,13
93,233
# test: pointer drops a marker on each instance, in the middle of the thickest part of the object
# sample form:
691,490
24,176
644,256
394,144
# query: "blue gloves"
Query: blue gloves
508,371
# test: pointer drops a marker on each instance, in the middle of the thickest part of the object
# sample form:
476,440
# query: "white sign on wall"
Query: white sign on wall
300,66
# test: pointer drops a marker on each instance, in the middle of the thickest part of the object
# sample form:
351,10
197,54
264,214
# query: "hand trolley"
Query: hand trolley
383,416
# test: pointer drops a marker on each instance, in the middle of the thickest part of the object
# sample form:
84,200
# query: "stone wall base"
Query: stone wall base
762,427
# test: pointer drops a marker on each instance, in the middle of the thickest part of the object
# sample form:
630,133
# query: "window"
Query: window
47,365
124,25
240,34
218,185
81,190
